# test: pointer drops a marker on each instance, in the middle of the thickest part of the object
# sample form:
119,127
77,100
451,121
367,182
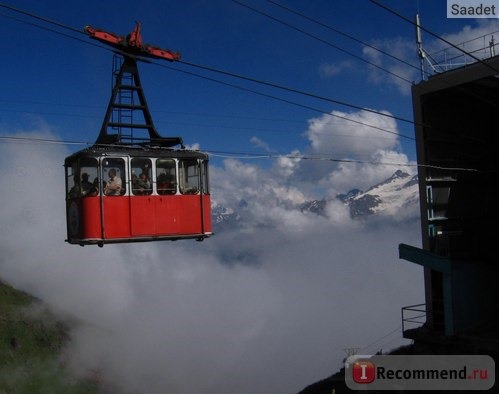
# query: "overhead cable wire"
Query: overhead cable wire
287,101
398,14
467,53
397,330
49,21
270,156
323,41
5,109
40,140
50,30
301,92
438,53
349,36
242,155
215,153
236,76
224,72
32,15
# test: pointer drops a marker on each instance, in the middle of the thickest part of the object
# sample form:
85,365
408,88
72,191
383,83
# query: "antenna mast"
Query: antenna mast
419,42
423,55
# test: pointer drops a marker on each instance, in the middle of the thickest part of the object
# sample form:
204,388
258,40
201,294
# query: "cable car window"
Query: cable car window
204,177
189,176
89,177
82,179
141,176
166,176
72,181
113,173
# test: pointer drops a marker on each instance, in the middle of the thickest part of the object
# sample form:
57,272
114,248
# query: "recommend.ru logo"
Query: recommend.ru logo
415,372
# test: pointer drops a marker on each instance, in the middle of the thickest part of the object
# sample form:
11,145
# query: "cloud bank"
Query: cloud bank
266,306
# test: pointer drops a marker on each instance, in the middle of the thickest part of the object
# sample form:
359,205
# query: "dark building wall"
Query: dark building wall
457,135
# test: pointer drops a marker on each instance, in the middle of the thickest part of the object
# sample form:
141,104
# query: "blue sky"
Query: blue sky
270,302
66,83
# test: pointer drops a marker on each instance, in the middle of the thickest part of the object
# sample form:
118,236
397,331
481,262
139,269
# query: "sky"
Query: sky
66,81
270,304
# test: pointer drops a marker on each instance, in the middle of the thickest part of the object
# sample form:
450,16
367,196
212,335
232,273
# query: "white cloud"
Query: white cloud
194,146
472,39
260,143
285,166
328,70
390,71
267,308
363,175
355,134
348,150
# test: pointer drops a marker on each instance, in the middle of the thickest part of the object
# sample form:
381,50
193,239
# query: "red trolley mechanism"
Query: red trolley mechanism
133,184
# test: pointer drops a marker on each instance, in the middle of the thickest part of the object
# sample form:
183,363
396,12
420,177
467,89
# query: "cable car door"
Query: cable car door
141,199
115,198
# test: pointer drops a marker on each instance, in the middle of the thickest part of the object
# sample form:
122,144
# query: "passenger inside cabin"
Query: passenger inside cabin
135,188
166,184
94,191
113,185
75,190
85,188
141,184
86,185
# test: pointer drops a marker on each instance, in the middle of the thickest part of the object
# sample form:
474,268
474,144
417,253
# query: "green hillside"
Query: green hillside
31,343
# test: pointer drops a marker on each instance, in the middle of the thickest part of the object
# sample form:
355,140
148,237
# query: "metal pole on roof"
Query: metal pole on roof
419,43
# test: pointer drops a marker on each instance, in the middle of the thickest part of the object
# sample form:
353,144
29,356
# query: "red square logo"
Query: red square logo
363,372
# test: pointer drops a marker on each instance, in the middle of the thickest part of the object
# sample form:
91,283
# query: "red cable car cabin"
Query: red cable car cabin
136,194
131,186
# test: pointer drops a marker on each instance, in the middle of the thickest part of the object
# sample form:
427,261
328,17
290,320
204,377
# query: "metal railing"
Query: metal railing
448,58
413,316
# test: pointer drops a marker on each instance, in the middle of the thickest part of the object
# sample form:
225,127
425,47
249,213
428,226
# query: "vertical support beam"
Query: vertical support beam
431,261
448,304
129,67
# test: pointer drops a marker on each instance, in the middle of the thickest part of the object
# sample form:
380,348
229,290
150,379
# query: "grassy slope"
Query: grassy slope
31,341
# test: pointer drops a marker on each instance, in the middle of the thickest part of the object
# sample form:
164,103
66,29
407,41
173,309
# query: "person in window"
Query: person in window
75,190
134,180
166,184
141,185
94,190
113,185
82,189
86,185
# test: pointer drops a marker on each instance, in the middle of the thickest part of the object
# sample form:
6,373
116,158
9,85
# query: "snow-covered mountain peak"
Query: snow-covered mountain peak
397,196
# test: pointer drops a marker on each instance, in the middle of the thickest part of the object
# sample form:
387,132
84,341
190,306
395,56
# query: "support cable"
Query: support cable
349,36
301,92
323,41
376,2
211,69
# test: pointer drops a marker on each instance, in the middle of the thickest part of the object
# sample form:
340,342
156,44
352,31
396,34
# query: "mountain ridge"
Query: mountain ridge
396,196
